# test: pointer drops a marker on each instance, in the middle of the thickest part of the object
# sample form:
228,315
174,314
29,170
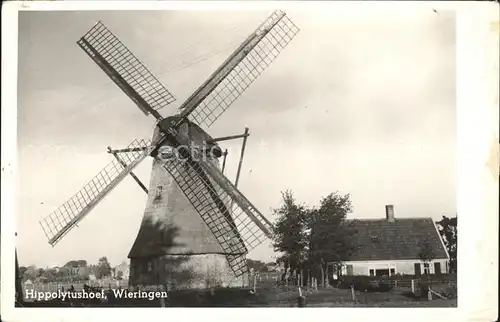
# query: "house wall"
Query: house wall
399,266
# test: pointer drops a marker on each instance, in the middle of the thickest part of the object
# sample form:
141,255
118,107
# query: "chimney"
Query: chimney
389,213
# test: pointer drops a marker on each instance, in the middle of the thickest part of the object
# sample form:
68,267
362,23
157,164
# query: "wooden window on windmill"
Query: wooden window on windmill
159,191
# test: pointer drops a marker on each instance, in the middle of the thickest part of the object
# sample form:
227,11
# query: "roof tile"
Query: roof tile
379,239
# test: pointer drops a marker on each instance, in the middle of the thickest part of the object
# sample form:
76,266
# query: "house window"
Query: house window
417,269
437,268
372,272
350,270
381,272
426,269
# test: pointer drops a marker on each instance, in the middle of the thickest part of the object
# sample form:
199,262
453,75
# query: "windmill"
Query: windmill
197,226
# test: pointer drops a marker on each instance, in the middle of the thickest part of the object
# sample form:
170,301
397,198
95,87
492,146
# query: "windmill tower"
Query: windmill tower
197,226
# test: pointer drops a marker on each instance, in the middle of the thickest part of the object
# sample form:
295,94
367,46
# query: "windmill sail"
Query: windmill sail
235,75
118,62
209,191
236,224
63,219
253,227
235,230
205,198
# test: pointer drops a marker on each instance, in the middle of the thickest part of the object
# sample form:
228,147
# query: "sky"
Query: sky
362,104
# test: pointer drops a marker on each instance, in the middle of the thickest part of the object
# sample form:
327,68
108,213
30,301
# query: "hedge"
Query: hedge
386,283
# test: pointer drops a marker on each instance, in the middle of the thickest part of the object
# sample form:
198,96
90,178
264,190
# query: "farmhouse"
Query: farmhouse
392,246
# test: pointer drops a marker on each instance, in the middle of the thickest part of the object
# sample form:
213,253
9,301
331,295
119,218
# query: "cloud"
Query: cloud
363,103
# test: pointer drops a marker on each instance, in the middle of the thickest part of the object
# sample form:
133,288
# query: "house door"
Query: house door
418,272
350,270
437,268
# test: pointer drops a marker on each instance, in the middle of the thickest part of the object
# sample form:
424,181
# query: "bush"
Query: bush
385,286
451,291
366,283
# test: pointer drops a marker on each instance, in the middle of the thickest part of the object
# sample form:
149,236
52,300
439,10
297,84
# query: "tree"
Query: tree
49,274
103,268
63,273
40,272
22,270
83,272
119,275
256,265
289,233
331,238
76,263
30,273
448,229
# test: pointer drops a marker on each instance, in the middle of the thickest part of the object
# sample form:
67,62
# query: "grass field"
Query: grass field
269,295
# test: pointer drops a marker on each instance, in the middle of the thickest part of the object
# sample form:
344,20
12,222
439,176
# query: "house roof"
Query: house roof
401,239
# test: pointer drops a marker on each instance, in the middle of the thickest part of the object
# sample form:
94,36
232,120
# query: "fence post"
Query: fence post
353,293
301,300
413,286
162,299
255,283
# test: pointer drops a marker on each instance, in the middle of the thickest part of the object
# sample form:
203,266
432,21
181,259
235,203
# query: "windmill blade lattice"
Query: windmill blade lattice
234,229
253,227
279,31
118,62
57,224
238,264
205,198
